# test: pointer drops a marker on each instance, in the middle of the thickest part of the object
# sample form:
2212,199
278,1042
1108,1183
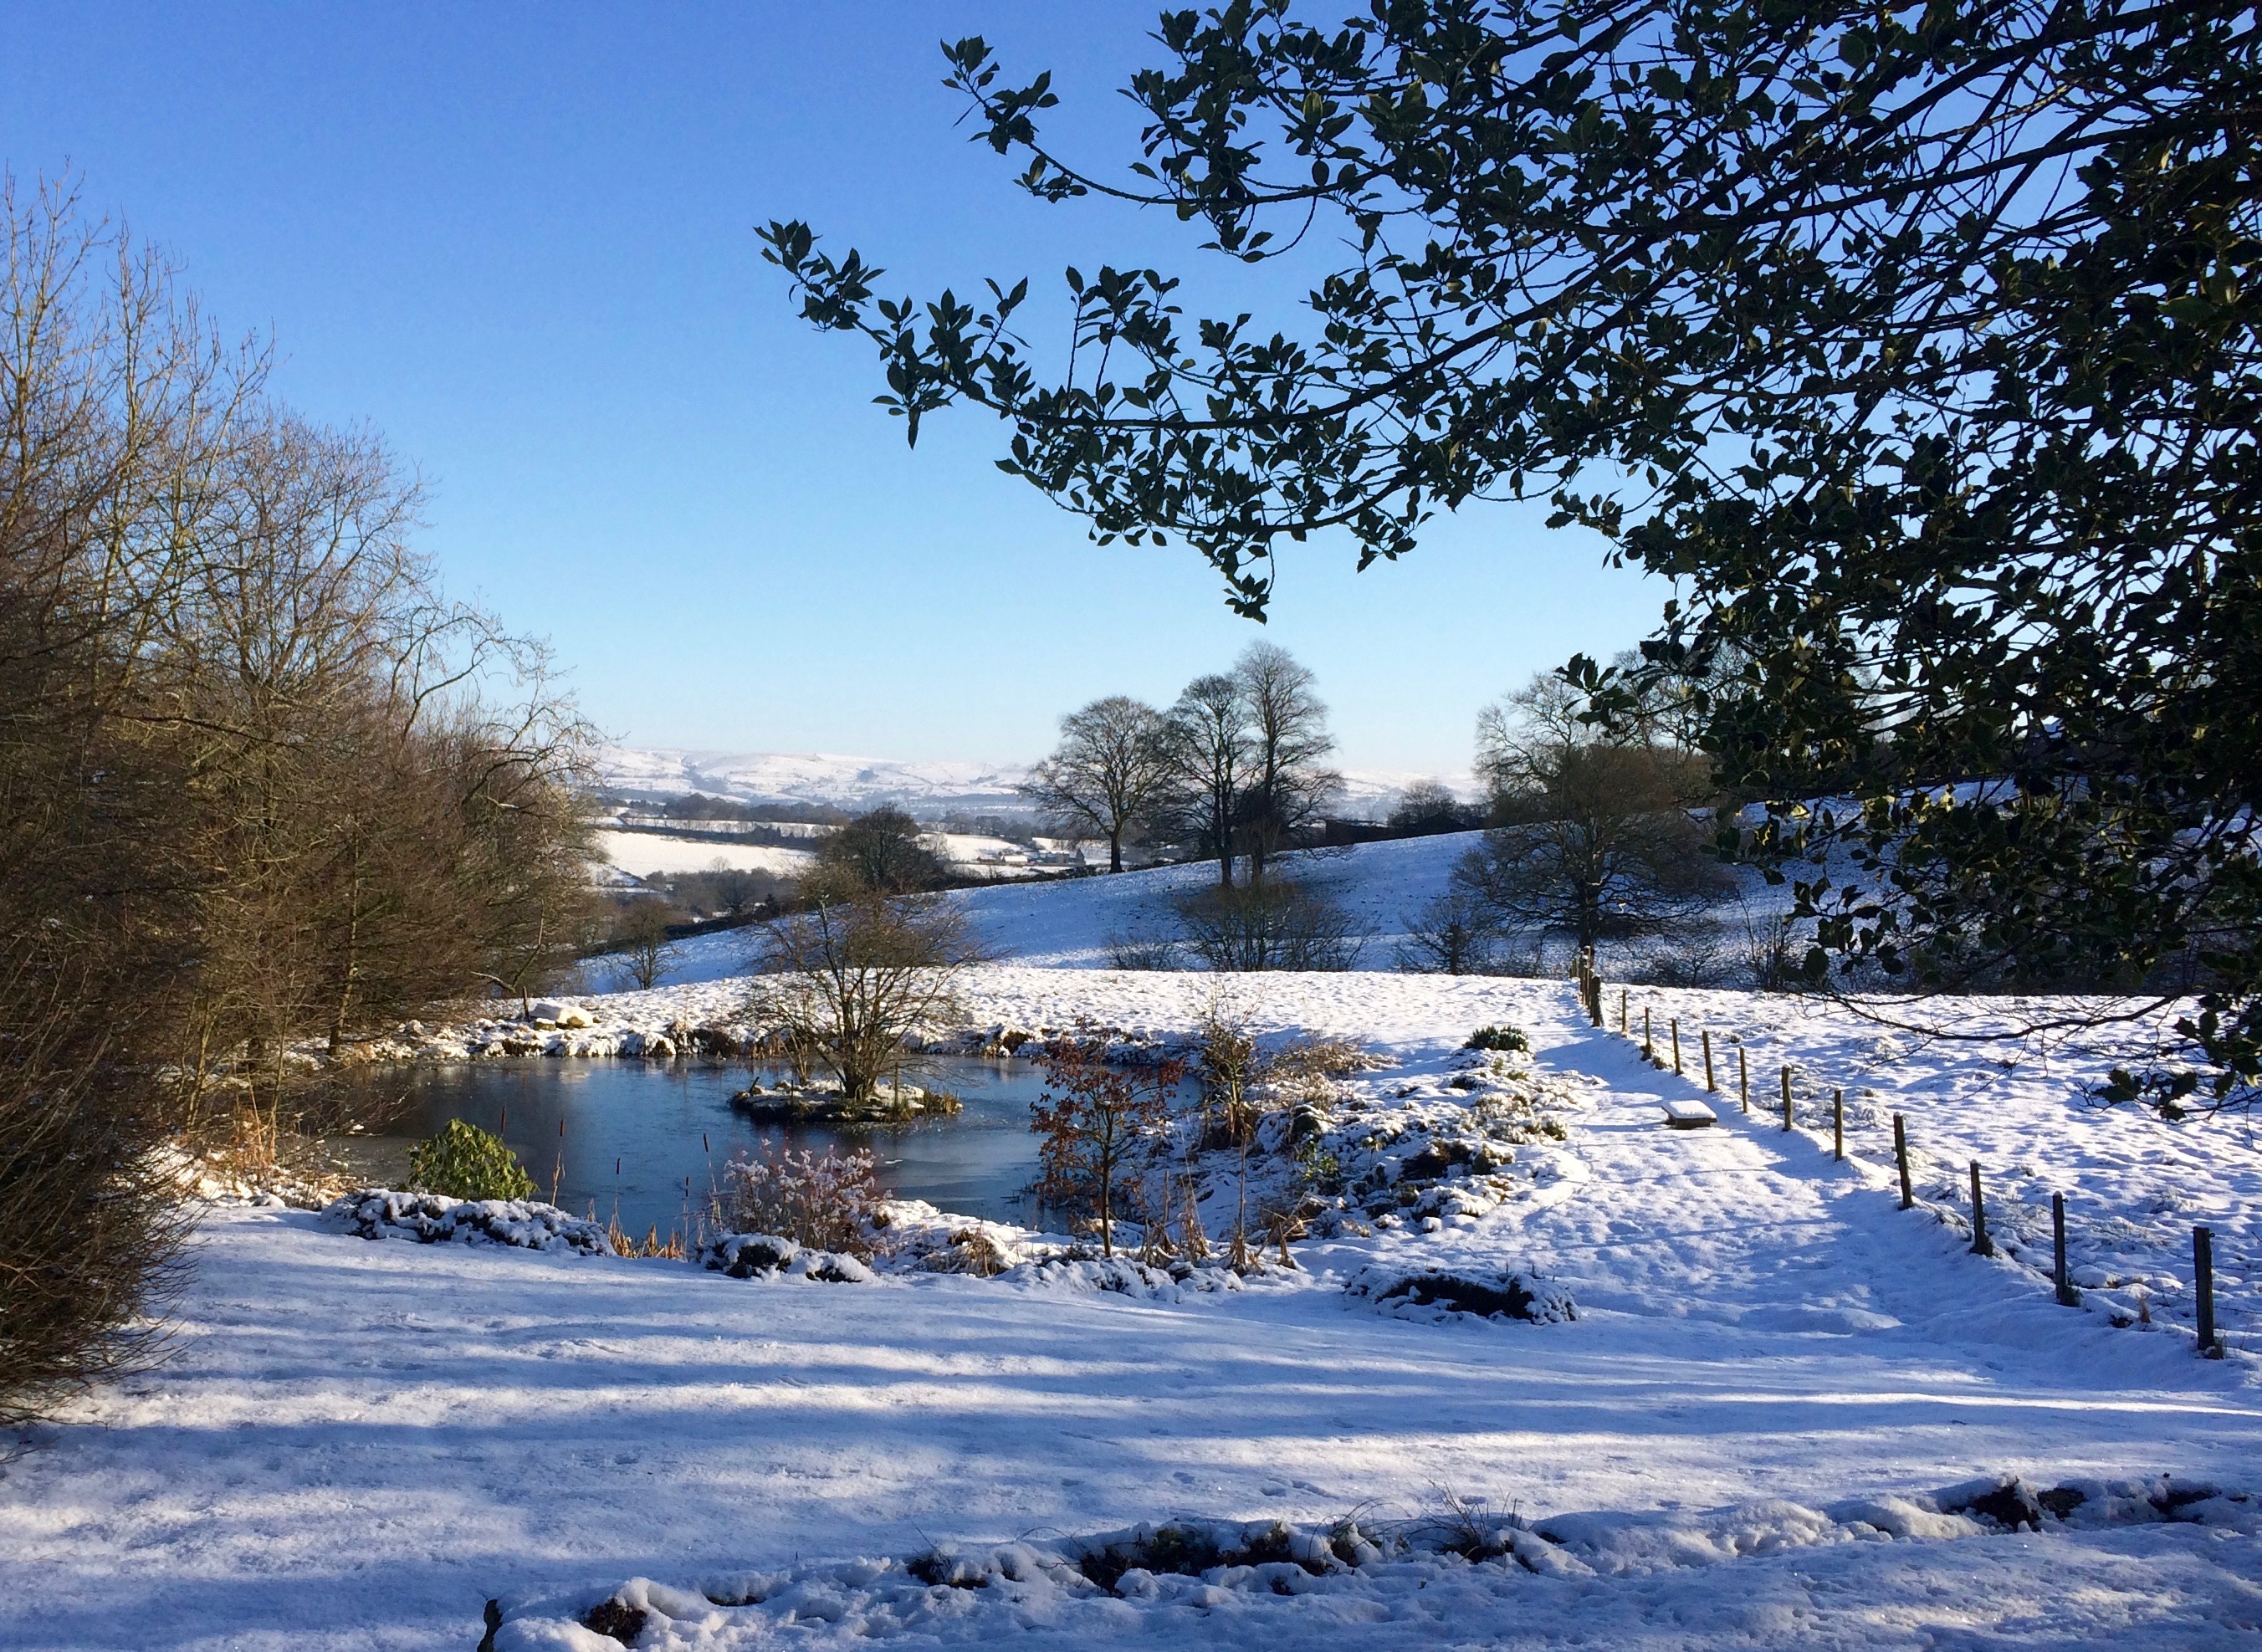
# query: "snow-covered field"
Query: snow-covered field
1739,1442
642,854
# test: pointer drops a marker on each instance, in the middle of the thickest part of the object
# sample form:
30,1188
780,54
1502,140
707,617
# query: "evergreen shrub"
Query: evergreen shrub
1497,1038
464,1163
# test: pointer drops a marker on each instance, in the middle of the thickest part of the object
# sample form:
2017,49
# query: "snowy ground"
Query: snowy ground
357,1444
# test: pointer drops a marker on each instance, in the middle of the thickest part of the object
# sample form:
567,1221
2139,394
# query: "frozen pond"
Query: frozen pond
649,1139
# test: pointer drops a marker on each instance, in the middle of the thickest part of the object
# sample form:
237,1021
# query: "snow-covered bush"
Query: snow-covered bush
824,1201
1437,1294
464,1163
770,1255
1120,1275
972,1250
432,1219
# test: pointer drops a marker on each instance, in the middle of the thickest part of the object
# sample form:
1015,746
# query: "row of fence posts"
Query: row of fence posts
1590,993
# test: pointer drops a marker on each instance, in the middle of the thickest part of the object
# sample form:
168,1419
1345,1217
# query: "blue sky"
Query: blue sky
518,241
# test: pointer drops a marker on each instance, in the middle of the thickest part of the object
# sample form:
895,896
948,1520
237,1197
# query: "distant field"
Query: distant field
641,854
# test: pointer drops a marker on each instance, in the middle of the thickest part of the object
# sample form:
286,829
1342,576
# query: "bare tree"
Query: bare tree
646,951
1595,835
1111,770
1207,743
1288,785
247,774
882,850
530,875
847,979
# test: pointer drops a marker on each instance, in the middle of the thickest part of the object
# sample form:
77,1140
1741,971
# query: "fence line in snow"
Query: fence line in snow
2210,1343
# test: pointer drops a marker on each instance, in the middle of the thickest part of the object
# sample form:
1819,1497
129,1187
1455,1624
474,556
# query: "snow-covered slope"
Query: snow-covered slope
1076,923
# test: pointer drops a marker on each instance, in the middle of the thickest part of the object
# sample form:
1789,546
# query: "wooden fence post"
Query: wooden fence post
1711,1087
1744,1077
2203,1287
1981,1245
1900,1157
1595,999
1675,1024
1624,1031
1786,1098
1649,1043
2067,1295
1838,1125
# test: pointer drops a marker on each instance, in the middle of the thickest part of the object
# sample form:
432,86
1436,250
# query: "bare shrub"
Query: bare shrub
1236,1072
646,954
1312,1059
972,1250
91,1223
1101,1126
1458,933
1269,926
1694,956
1142,952
824,1201
1766,952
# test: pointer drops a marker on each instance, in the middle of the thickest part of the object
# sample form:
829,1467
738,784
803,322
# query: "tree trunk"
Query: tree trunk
1106,1177
1115,849
344,1004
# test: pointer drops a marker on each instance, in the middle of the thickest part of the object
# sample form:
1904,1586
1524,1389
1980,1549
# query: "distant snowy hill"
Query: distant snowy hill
811,777
924,789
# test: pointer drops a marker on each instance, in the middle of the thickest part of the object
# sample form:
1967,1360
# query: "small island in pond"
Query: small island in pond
822,1104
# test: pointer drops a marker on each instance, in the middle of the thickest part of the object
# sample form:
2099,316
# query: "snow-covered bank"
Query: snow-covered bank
1927,1570
358,1443
2135,1185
